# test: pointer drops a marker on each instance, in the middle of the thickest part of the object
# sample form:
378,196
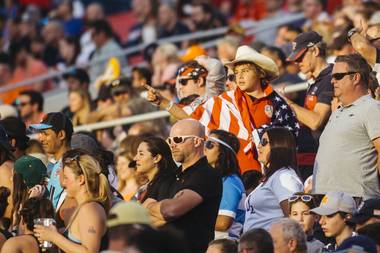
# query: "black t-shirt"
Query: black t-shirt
319,92
160,187
198,225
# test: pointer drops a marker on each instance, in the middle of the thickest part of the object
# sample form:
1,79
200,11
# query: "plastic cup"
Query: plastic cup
45,222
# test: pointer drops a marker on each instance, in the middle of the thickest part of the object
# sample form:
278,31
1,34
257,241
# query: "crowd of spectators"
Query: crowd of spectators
240,165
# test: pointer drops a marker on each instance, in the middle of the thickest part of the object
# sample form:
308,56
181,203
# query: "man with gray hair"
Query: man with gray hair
352,132
288,236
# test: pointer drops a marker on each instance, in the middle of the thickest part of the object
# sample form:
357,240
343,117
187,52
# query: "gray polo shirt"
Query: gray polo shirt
347,159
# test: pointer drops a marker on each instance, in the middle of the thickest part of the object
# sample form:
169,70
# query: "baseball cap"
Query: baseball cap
121,85
85,142
31,168
193,52
104,93
131,212
4,139
79,74
358,242
56,121
302,42
368,209
15,128
334,202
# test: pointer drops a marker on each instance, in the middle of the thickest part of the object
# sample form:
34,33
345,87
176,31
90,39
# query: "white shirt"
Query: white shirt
262,206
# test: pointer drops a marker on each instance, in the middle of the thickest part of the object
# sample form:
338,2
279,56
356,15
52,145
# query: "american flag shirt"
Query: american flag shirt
246,117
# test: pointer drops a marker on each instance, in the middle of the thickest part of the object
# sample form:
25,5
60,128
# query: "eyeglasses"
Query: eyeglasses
179,139
231,78
210,144
184,81
339,76
264,142
304,198
22,104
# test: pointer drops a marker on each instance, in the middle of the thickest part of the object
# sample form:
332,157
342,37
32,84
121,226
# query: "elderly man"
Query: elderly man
193,205
288,236
245,111
352,132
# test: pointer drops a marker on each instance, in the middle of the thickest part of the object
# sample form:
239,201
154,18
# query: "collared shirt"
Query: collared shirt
347,158
198,224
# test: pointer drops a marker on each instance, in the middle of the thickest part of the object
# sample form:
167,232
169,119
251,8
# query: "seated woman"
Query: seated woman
4,233
220,150
26,242
300,205
29,174
126,173
269,201
154,160
83,181
80,106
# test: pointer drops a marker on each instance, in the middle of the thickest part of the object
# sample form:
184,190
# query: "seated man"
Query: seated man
336,209
193,205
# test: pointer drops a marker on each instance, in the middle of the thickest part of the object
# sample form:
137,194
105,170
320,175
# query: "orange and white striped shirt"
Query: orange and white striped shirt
246,117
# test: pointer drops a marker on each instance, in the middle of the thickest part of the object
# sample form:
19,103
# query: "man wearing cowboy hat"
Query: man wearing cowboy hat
248,109
309,53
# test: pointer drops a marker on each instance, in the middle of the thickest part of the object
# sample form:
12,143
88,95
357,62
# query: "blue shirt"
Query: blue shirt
232,203
54,186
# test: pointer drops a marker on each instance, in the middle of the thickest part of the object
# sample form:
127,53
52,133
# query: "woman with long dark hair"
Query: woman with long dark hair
4,233
220,150
269,201
26,242
154,160
6,165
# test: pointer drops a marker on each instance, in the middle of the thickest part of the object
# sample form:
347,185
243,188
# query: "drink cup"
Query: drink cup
45,222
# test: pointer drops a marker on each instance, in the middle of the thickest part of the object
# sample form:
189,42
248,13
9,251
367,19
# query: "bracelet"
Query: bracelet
350,33
171,103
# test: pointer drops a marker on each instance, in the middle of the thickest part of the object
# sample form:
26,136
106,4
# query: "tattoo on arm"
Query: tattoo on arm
91,230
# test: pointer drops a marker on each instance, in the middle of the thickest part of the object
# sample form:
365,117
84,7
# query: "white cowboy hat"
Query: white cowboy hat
247,54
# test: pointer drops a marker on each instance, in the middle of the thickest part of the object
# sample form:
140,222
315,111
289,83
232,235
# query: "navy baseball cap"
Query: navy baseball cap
56,121
368,209
303,42
79,74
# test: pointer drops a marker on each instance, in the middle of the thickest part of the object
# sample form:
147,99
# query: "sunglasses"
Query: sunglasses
209,144
72,159
304,198
339,76
264,142
183,82
231,78
179,139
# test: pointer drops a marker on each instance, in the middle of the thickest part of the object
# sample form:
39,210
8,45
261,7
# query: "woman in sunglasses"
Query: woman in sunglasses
300,205
154,161
269,201
85,183
220,150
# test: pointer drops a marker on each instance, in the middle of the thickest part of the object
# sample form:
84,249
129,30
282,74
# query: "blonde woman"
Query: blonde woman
85,183
80,106
126,173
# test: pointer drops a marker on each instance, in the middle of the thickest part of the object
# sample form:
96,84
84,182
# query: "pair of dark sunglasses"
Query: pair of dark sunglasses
184,81
179,139
339,76
72,159
264,142
231,78
304,198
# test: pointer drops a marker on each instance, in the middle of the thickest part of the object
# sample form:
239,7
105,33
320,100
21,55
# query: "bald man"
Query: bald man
193,205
